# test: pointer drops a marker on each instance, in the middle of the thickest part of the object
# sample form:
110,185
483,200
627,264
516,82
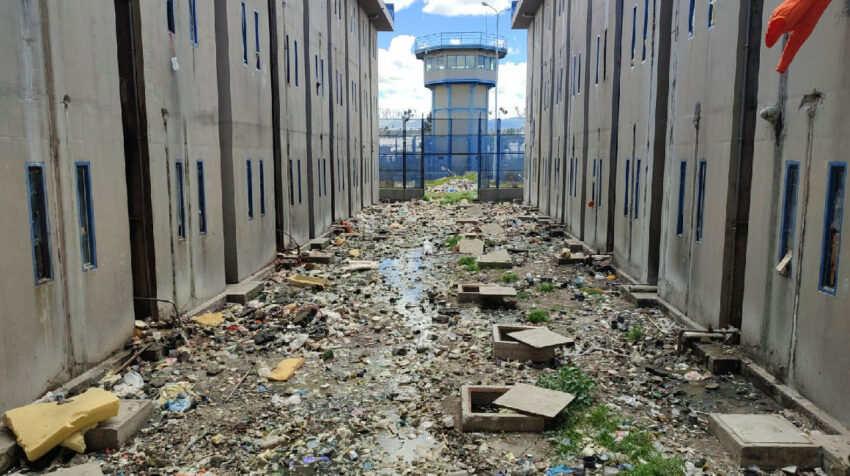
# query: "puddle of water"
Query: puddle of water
422,446
408,274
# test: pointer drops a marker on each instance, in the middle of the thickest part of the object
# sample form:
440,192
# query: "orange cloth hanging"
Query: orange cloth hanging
799,17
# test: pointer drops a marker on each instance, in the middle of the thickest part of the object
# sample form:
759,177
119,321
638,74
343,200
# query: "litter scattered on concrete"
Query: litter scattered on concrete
285,369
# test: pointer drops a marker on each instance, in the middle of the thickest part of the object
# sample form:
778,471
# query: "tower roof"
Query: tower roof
426,45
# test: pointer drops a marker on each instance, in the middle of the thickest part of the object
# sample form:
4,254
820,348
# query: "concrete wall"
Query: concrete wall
247,137
181,112
577,137
59,98
789,325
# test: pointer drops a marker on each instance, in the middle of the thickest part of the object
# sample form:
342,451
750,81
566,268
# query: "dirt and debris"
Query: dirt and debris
375,349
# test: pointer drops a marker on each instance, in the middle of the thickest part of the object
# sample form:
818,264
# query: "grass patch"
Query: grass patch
453,241
523,295
510,278
571,380
472,268
452,198
442,181
545,287
466,261
537,316
593,292
635,334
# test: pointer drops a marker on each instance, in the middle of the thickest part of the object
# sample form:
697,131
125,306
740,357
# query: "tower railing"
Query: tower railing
460,40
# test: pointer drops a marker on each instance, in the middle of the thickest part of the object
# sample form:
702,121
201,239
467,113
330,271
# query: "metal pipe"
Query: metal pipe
173,304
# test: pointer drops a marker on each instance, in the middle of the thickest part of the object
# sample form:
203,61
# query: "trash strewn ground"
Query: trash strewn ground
386,350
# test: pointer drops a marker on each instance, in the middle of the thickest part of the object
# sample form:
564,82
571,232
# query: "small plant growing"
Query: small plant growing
466,261
545,287
453,241
523,295
472,268
510,278
327,355
571,380
634,334
537,316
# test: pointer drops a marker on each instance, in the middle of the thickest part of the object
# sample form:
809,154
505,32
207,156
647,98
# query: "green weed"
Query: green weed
545,287
472,268
537,316
572,380
453,241
522,295
466,261
509,278
635,333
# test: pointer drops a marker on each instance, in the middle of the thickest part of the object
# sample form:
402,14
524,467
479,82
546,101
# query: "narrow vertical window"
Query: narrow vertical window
296,62
832,227
626,186
645,28
39,225
573,85
250,182
169,15
322,77
634,33
593,183
599,185
257,39
85,213
570,184
181,200
291,185
193,23
244,35
636,199
691,16
299,181
202,199
325,174
262,189
286,47
598,38
711,12
789,216
578,81
700,200
680,212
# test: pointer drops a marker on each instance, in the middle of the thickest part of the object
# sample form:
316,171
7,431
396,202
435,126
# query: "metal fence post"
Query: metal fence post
480,162
403,154
422,154
498,151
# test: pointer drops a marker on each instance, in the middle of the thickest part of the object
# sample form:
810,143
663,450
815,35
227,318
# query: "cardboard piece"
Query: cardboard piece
540,338
535,400
210,319
285,369
308,281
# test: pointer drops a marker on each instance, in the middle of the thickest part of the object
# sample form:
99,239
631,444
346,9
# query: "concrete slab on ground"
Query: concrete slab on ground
836,453
318,243
642,295
475,397
113,433
483,292
499,259
719,360
508,348
471,247
88,469
492,291
767,441
316,257
540,338
534,400
243,292
575,246
9,453
574,258
492,230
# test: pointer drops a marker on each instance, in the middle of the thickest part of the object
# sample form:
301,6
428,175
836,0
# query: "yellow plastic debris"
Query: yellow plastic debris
354,253
210,319
42,426
566,253
77,441
285,369
307,281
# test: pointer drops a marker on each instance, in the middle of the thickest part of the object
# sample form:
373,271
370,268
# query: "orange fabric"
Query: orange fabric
799,17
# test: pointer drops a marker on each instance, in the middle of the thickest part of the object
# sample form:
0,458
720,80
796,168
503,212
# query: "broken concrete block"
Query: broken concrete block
113,433
483,292
8,449
471,247
717,359
508,348
285,369
314,257
42,426
535,400
641,295
541,338
573,258
492,230
243,292
210,319
308,282
836,453
575,246
767,441
499,259
478,414
361,266
318,243
88,469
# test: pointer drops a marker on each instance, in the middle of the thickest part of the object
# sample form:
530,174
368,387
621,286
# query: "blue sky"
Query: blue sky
400,73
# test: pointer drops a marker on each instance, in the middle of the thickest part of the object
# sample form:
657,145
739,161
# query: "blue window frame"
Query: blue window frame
636,199
645,28
244,34
262,189
680,212
701,200
626,185
181,199
257,39
598,38
286,47
322,76
250,182
325,175
39,224
85,212
575,75
691,16
169,16
711,10
571,177
634,33
193,23
578,81
833,213
593,183
296,62
299,180
202,198
599,185
789,210
291,184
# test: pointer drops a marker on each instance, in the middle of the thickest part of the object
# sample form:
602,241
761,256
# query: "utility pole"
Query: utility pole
496,44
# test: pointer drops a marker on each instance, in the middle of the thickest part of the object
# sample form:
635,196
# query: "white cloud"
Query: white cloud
511,89
400,4
463,7
400,79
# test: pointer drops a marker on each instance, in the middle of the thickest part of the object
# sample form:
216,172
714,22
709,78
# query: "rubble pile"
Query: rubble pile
356,366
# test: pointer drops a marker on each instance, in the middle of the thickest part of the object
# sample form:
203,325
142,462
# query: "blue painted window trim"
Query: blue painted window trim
322,76
299,181
85,213
599,185
833,213
244,35
262,189
645,28
181,199
571,176
701,178
711,10
680,212
593,183
249,178
296,62
636,199
170,23
598,39
691,18
789,209
257,40
578,81
291,184
286,47
634,33
48,265
626,186
202,198
193,23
